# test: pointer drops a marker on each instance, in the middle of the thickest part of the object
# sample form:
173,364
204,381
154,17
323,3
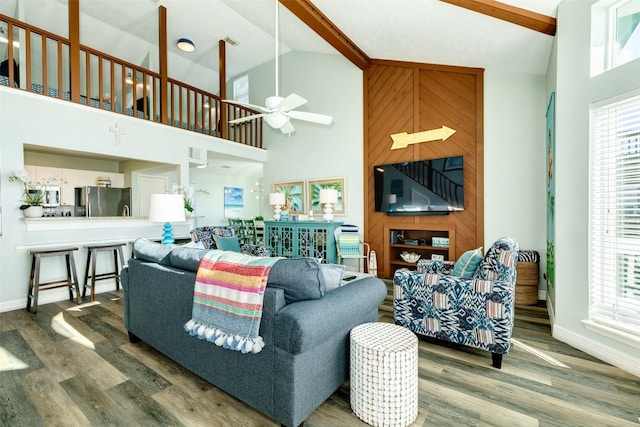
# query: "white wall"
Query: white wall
333,86
575,90
210,207
514,161
27,118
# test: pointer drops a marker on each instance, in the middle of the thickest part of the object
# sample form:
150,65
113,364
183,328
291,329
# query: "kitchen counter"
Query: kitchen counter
82,222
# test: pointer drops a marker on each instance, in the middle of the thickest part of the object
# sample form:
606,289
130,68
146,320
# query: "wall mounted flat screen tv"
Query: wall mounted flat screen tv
424,187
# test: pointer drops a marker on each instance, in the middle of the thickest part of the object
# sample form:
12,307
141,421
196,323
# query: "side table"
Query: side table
384,374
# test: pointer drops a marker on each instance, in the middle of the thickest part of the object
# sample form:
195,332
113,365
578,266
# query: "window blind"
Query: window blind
615,213
241,89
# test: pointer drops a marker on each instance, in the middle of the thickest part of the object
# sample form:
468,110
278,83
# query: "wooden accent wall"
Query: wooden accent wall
412,97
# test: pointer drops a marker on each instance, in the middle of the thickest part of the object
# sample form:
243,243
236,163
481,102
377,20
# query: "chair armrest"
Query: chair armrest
435,266
474,312
255,250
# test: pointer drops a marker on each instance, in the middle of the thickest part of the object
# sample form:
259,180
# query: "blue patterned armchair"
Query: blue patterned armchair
476,312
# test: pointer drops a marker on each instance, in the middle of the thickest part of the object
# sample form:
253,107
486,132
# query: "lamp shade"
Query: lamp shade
329,195
166,208
391,199
276,199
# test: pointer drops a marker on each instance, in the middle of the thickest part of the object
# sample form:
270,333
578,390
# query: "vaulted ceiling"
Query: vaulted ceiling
508,36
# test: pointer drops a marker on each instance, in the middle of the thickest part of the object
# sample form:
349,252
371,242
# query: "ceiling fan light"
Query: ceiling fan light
276,119
186,45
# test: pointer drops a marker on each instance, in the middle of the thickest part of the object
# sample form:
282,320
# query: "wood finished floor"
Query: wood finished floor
74,366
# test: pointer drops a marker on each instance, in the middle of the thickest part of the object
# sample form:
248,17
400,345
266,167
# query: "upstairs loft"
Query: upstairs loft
37,61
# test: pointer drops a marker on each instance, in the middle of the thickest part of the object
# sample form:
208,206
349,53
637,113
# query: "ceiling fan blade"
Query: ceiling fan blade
291,102
246,119
287,128
310,117
244,104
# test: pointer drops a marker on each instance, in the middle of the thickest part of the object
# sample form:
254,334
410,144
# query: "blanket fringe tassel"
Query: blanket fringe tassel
224,339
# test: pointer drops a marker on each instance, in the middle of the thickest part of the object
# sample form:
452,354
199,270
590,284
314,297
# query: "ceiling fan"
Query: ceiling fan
278,111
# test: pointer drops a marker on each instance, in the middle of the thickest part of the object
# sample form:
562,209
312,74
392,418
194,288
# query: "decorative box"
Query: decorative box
440,242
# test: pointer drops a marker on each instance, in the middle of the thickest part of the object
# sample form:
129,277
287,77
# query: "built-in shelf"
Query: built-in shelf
424,234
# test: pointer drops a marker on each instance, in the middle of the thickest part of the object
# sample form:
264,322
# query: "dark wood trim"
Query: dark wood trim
318,22
74,51
164,67
222,61
516,15
480,158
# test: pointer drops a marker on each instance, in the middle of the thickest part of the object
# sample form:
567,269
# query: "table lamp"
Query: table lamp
328,198
166,208
276,200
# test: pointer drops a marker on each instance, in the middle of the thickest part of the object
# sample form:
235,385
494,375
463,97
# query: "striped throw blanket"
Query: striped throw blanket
227,300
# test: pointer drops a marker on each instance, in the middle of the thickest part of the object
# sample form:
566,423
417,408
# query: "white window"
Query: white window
615,34
241,89
615,215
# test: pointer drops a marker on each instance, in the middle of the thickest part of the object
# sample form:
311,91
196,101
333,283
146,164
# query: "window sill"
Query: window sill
613,333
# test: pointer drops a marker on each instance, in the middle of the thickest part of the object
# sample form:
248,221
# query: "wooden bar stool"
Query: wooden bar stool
34,282
91,261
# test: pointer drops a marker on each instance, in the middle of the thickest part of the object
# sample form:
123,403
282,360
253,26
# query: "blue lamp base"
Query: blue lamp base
167,234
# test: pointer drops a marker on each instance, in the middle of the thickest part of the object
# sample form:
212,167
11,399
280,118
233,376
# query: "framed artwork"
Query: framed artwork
314,188
551,189
233,202
293,194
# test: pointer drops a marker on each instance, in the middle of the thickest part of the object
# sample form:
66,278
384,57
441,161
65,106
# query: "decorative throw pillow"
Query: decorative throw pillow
300,278
227,243
468,263
332,275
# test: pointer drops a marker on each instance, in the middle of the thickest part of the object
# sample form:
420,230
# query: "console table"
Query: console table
294,239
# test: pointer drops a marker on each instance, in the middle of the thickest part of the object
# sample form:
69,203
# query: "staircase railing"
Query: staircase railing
38,61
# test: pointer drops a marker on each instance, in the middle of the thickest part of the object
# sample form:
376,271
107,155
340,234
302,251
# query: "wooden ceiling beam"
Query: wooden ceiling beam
516,15
308,13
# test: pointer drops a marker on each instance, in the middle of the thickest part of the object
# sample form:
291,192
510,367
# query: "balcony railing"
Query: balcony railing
39,62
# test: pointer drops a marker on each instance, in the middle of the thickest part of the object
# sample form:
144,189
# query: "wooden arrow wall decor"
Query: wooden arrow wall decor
404,139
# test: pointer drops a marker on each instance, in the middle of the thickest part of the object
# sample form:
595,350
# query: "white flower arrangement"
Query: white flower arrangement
187,194
33,198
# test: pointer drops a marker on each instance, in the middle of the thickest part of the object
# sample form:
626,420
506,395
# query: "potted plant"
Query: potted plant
188,193
32,206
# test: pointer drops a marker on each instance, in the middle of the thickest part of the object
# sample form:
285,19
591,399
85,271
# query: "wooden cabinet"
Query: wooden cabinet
293,239
418,238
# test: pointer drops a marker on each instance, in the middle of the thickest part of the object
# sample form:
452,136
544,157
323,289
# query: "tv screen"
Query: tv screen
424,187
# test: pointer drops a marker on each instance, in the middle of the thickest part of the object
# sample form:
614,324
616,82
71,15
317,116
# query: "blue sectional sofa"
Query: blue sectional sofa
306,353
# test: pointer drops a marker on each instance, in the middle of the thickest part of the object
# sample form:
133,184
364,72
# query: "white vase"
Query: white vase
33,212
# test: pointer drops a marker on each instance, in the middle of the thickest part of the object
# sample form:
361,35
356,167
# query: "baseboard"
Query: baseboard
53,295
599,350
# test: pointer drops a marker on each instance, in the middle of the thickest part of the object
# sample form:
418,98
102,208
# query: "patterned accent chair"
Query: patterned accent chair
205,236
476,312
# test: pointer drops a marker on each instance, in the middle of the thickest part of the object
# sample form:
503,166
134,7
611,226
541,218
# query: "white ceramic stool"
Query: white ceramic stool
384,374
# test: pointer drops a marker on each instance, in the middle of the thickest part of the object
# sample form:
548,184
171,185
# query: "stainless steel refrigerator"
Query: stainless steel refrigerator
104,201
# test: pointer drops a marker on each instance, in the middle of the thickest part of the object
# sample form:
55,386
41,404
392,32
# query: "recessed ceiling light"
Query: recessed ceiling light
186,45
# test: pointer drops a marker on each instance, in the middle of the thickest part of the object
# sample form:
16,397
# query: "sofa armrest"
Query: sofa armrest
302,325
435,266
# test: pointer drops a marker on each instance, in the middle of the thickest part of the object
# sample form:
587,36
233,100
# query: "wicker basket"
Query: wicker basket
528,276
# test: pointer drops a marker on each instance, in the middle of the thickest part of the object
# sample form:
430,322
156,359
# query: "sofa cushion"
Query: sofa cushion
300,278
468,263
227,243
186,258
147,250
332,275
